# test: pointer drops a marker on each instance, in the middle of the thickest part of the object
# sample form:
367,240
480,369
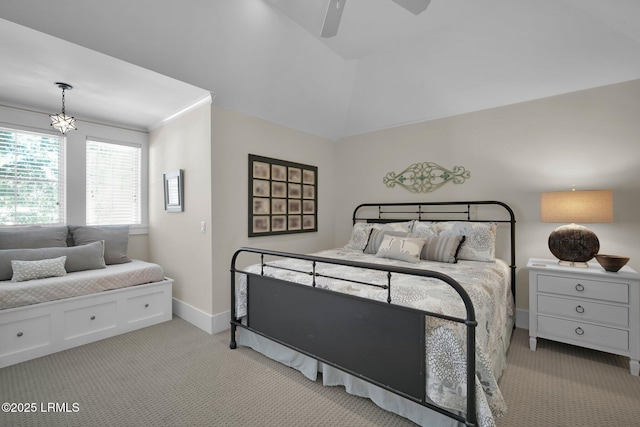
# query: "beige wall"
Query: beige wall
234,137
175,240
589,138
212,145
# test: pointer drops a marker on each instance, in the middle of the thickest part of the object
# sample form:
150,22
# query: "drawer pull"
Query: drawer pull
93,317
579,331
146,306
20,334
579,287
580,309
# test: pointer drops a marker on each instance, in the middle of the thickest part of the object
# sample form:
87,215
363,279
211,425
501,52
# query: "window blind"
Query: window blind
32,178
113,183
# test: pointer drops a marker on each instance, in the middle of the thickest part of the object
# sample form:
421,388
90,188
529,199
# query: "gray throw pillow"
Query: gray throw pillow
33,237
79,258
442,248
116,240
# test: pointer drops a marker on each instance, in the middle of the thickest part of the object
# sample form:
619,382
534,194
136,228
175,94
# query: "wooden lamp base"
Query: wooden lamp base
573,245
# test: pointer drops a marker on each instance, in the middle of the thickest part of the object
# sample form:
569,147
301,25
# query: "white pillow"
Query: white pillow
400,248
359,236
423,229
480,241
29,270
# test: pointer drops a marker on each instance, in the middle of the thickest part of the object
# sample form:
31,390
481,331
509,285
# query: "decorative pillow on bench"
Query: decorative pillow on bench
86,257
30,270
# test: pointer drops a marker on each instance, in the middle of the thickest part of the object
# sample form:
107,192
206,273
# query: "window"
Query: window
113,183
32,178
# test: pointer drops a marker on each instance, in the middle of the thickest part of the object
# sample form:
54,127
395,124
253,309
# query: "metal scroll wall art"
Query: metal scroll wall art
426,177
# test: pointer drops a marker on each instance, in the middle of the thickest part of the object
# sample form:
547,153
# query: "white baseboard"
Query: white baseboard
220,321
211,324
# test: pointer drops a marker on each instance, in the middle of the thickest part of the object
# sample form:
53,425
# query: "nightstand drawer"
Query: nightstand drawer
584,310
584,332
575,287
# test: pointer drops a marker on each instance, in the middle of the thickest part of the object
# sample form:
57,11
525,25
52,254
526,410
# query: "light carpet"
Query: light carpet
174,374
561,385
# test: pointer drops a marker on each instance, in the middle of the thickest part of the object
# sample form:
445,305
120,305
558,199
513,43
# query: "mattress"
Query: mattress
116,276
488,285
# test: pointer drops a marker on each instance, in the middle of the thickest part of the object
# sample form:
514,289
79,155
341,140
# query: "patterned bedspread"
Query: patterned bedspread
136,272
488,285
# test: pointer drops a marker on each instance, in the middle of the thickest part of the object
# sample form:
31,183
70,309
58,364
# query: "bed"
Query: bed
404,332
55,296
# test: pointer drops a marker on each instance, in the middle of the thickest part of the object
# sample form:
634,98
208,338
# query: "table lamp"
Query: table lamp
575,244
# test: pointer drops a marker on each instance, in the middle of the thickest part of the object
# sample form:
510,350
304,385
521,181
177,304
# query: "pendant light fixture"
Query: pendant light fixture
61,121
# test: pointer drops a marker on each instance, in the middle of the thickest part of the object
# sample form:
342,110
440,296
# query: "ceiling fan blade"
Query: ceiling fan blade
332,18
414,6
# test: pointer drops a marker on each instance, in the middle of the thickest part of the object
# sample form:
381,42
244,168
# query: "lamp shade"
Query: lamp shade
585,206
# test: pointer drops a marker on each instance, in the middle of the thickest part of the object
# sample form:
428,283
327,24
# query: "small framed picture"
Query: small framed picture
295,222
278,189
260,224
278,223
261,206
261,188
308,177
295,191
308,207
279,172
260,170
294,206
309,191
173,189
308,222
295,175
278,206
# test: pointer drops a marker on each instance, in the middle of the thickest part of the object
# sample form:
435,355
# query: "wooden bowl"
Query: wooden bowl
611,263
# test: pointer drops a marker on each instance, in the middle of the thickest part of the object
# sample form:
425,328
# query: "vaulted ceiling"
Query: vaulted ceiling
137,62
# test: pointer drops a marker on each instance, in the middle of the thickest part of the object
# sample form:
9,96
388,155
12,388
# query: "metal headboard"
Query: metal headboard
470,211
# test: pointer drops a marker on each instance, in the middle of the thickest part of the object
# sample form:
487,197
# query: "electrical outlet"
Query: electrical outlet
203,227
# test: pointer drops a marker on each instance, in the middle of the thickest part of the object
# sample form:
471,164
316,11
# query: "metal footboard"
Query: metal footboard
379,342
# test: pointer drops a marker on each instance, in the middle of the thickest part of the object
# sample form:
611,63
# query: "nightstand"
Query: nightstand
588,307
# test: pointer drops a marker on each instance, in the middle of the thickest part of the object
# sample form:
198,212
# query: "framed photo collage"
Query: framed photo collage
283,197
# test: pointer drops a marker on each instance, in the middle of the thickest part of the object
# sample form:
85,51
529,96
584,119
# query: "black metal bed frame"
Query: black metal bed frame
439,212
337,329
